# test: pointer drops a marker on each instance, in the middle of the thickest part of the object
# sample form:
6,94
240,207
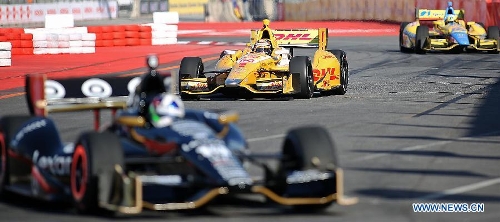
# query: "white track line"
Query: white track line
379,155
265,138
462,189
418,147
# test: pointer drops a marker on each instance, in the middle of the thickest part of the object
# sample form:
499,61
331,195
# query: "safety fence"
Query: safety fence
485,11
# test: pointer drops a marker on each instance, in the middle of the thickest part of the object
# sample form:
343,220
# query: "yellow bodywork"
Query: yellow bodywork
438,35
259,73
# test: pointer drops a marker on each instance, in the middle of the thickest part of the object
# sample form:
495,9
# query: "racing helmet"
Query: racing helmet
164,109
263,45
450,18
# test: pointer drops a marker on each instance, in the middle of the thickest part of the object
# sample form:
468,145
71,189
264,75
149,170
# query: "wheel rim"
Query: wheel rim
310,82
79,173
342,80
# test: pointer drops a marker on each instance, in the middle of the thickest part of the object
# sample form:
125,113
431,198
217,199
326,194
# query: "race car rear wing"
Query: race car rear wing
75,94
433,15
297,38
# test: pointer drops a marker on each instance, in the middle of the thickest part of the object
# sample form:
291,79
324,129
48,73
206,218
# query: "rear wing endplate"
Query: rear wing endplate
75,94
433,15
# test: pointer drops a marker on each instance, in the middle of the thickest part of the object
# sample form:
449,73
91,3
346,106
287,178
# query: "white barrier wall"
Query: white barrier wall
35,13
5,54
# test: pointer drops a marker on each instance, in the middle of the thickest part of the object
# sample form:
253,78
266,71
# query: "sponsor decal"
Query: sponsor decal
27,129
319,74
161,179
271,86
133,83
54,90
96,88
307,176
200,86
193,129
57,165
292,36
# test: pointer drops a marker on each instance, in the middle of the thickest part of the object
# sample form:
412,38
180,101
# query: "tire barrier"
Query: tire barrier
71,40
21,43
5,54
80,40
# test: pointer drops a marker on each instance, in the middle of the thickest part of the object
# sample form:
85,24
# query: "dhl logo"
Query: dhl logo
320,74
292,36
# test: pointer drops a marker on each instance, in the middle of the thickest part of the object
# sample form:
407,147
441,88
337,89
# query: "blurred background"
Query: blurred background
32,11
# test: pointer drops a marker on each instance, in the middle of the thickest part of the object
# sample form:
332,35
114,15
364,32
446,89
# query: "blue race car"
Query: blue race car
154,154
449,33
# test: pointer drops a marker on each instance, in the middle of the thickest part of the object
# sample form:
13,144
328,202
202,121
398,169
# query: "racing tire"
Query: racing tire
308,147
301,70
191,67
344,71
493,33
421,39
401,29
9,125
92,167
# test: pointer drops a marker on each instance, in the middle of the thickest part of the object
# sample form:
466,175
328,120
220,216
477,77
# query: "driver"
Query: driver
450,19
263,45
164,109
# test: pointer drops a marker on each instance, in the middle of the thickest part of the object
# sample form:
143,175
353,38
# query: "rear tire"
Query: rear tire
9,125
494,33
401,30
344,71
301,70
421,39
191,67
92,168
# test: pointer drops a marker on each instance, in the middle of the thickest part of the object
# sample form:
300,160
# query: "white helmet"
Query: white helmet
164,109
263,45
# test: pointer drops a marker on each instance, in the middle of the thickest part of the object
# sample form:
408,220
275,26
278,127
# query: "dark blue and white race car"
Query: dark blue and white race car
154,154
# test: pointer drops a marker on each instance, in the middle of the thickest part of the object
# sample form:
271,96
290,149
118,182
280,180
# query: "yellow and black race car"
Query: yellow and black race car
267,67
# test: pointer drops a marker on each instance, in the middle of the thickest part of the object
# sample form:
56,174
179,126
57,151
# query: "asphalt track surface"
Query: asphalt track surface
411,128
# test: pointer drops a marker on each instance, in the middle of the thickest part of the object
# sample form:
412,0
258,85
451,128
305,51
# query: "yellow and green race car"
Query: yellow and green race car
449,32
266,67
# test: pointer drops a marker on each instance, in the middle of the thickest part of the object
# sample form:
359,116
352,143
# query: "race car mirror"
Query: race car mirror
152,61
228,117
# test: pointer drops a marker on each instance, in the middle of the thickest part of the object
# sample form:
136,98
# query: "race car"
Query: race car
267,67
449,33
154,154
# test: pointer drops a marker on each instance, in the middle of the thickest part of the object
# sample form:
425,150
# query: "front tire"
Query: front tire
494,33
306,148
92,167
191,67
401,33
301,70
344,71
9,125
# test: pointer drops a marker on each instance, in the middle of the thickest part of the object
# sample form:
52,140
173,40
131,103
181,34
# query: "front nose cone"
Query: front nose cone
232,82
461,38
